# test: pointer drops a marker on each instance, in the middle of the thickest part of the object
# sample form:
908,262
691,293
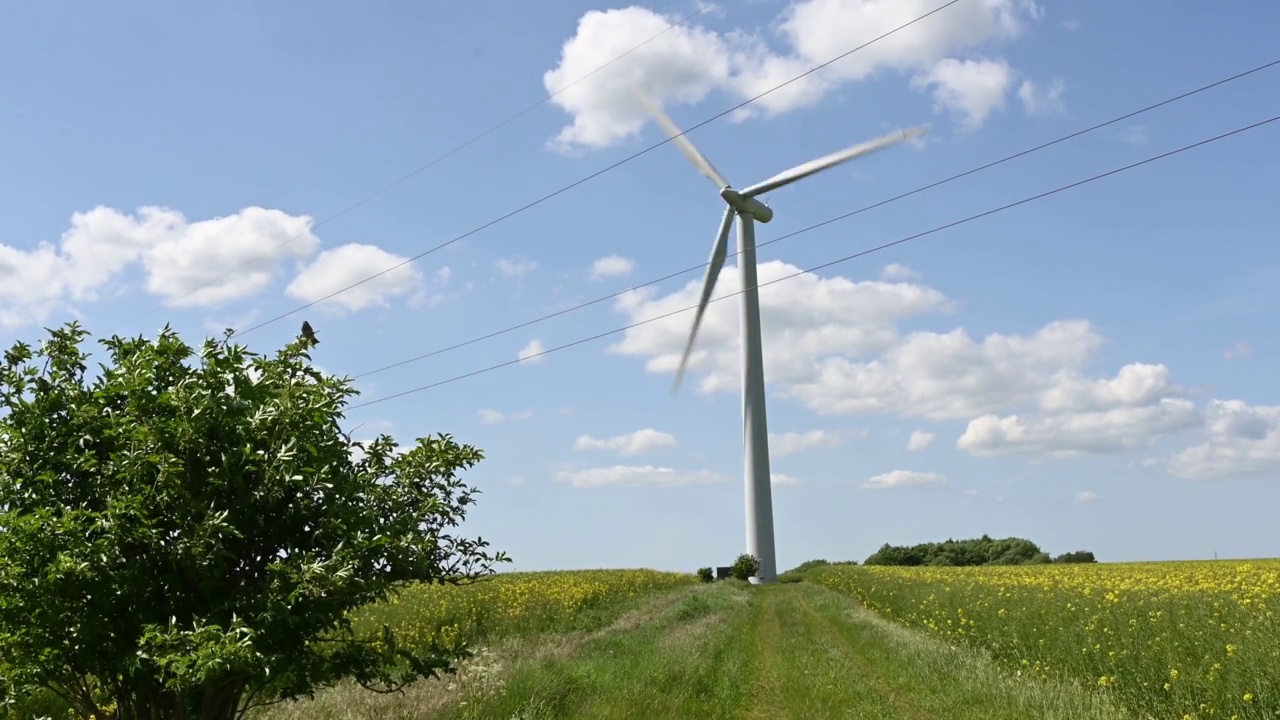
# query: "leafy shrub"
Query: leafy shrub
705,574
745,567
1078,556
185,531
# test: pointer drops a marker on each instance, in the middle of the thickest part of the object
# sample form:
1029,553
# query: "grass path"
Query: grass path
728,651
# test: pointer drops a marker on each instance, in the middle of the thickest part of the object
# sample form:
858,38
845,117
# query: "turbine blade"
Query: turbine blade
814,166
718,254
681,141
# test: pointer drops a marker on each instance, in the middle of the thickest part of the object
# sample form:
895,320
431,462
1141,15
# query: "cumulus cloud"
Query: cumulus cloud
1087,496
489,416
1042,100
806,321
640,442
685,64
513,268
780,480
611,266
920,440
1243,441
1108,431
637,475
969,89
344,266
896,271
790,443
532,351
177,255
1128,412
833,345
949,376
1238,351
903,478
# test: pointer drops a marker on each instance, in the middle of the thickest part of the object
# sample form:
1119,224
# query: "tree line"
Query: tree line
978,551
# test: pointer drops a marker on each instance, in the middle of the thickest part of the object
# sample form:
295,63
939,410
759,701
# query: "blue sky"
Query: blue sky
1093,370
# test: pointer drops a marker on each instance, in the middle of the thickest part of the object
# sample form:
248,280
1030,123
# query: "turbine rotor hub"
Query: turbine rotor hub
748,205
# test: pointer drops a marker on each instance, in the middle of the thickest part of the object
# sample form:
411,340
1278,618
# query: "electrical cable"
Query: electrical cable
845,216
815,268
593,175
438,159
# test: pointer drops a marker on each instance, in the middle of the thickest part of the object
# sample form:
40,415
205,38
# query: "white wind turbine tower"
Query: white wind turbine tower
759,496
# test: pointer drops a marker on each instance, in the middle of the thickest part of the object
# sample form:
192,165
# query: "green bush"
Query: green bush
791,577
1078,556
705,574
963,553
746,566
184,532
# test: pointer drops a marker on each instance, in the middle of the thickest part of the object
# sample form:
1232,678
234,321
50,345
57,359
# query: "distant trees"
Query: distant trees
808,565
979,551
1078,556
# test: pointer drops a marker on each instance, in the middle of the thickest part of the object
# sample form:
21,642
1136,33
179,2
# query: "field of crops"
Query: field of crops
511,604
1185,640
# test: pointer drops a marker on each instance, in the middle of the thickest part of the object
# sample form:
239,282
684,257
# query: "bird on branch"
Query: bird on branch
308,333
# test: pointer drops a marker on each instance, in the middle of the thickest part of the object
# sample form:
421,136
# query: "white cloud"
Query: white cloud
1135,135
834,346
685,64
1037,100
781,445
903,478
1239,351
178,257
637,475
948,376
1243,441
920,440
1087,496
895,271
1128,412
1107,431
640,442
339,268
532,351
493,417
806,320
969,89
515,268
611,266
780,480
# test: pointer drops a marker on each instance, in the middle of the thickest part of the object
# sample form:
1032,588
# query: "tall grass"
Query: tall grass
512,604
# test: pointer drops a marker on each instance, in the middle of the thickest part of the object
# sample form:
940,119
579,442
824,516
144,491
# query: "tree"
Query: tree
184,534
745,567
1076,556
961,553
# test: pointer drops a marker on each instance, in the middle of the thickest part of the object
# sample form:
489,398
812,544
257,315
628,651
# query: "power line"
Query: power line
438,159
815,268
845,216
596,174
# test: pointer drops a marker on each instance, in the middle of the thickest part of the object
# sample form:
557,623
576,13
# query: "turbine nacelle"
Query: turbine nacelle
746,204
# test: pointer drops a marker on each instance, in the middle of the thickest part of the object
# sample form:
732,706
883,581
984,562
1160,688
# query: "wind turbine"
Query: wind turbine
743,203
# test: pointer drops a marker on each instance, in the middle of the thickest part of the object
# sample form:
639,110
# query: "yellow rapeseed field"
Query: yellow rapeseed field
1184,640
509,604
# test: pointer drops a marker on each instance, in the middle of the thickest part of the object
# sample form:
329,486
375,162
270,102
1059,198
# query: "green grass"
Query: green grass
724,650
